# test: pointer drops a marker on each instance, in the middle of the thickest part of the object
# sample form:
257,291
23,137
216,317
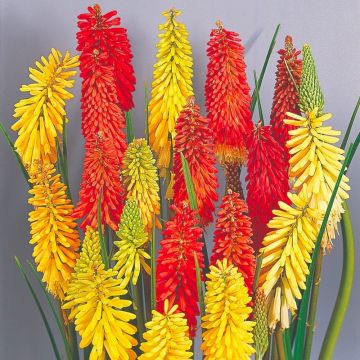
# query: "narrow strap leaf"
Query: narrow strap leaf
153,267
146,91
189,184
129,127
38,304
199,286
263,70
259,260
59,324
301,325
345,288
104,254
17,156
348,130
261,116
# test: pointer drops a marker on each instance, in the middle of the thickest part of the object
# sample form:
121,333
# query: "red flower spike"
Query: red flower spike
100,176
227,95
175,270
232,237
286,97
267,180
104,34
194,140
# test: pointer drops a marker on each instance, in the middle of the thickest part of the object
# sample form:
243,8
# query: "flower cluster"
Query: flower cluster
53,228
232,237
175,271
227,95
42,115
171,86
194,141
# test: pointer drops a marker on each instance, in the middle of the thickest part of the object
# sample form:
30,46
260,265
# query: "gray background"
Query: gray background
29,28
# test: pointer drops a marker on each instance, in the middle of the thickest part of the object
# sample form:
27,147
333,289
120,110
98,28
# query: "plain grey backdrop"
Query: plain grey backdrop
29,28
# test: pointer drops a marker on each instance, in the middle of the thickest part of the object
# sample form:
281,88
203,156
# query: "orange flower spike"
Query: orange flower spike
286,92
175,270
228,95
232,237
194,140
101,176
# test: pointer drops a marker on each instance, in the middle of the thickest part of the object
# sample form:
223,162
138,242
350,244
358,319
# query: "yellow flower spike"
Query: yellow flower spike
53,229
95,299
316,161
171,86
141,181
133,238
227,332
287,253
167,337
42,114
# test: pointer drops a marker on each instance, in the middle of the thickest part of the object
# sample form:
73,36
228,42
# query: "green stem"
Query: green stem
138,309
87,352
280,345
301,324
274,352
313,306
73,341
345,288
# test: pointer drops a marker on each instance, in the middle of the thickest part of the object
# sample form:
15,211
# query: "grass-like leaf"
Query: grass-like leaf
16,155
59,324
257,91
189,184
350,125
199,286
38,305
302,318
153,267
263,70
103,249
129,127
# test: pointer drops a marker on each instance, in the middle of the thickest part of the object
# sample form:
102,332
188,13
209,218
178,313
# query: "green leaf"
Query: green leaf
59,324
348,130
261,116
259,260
189,184
17,156
263,70
129,127
64,151
146,111
301,325
104,253
153,267
199,286
62,168
38,304
345,288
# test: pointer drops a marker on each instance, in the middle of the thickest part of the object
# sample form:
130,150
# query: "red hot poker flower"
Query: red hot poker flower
100,178
267,179
100,109
227,95
102,32
286,96
194,140
232,237
175,271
